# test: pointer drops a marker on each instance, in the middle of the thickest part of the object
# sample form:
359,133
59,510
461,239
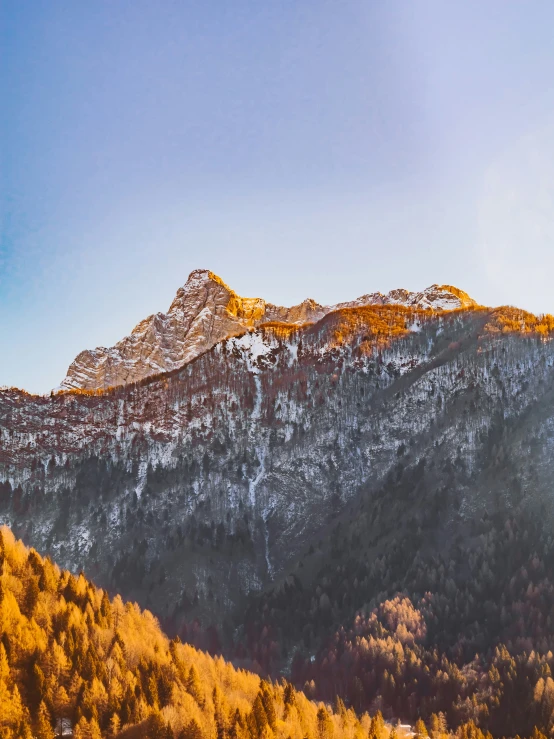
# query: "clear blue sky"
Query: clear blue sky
296,148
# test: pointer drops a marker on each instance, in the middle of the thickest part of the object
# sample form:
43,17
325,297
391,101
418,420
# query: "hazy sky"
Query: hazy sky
296,148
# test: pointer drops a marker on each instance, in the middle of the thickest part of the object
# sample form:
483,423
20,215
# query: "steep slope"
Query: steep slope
202,313
206,311
206,484
73,659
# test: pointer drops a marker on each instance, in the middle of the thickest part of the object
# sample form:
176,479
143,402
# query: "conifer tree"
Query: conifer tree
194,686
191,731
259,714
24,729
156,726
94,729
420,729
81,729
289,695
324,723
43,728
377,729
115,725
340,708
268,703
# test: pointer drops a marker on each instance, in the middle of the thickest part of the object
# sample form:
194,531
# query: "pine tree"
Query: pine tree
43,728
106,610
420,729
289,695
4,665
156,726
194,686
252,724
81,729
340,708
377,729
191,731
219,713
437,725
115,725
94,729
259,714
324,723
24,730
269,707
36,687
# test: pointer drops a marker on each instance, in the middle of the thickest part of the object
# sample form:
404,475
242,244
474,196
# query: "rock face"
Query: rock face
206,311
202,313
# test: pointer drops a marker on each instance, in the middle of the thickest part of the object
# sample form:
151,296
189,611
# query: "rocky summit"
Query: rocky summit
204,311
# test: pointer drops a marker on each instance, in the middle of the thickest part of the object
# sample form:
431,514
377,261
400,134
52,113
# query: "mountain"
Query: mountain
204,312
74,659
223,470
196,488
290,481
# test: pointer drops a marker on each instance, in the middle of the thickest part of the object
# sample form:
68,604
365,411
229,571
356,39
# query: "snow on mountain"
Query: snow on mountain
205,311
207,481
435,297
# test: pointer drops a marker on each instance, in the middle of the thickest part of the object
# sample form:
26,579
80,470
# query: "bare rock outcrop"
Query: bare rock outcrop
205,311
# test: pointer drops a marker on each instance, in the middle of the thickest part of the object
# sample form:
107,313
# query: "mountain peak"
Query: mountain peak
206,310
199,276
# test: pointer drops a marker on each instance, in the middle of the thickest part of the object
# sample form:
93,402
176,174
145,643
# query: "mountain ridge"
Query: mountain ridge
204,311
292,474
255,443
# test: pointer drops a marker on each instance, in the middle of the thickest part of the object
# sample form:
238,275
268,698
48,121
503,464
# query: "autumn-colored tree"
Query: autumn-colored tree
81,729
437,726
191,731
43,725
156,726
324,724
289,695
115,725
194,686
377,729
268,703
259,713
94,729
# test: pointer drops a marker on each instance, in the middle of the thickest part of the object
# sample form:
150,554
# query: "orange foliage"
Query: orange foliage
68,652
510,320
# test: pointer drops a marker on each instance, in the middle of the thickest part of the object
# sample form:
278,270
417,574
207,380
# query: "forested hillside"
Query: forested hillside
72,659
470,635
68,652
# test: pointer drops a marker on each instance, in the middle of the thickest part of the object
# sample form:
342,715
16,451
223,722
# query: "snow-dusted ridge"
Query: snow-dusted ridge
267,436
205,311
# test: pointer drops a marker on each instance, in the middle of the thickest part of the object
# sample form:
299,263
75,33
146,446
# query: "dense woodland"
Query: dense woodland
69,653
71,657
466,634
